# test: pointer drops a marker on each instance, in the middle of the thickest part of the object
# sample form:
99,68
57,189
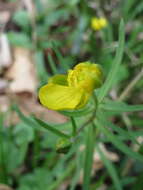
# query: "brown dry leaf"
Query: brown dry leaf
5,53
97,162
22,72
4,103
6,10
30,105
5,187
4,17
8,6
29,5
3,85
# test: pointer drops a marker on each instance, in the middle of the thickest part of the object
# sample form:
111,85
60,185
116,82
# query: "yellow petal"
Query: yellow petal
86,75
58,97
98,23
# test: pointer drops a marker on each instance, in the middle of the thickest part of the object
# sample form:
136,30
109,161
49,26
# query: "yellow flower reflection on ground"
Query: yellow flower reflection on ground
98,23
71,91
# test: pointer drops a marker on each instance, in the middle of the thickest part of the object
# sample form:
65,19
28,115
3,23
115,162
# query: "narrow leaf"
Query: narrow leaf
37,123
50,128
117,142
120,107
111,169
115,65
90,143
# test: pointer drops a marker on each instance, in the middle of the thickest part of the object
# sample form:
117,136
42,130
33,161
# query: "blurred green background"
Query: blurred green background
39,38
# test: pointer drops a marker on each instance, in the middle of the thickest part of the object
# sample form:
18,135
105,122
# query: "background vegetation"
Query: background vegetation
43,37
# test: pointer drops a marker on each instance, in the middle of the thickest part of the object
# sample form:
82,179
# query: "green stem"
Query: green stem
87,122
90,143
74,127
92,116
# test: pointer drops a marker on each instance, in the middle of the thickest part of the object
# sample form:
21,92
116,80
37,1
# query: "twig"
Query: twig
130,86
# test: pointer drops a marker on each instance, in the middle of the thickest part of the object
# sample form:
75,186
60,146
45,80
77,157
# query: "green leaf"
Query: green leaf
27,120
21,18
23,134
40,67
20,39
111,169
78,169
120,107
117,142
54,16
115,65
127,5
37,123
51,128
122,134
138,9
38,179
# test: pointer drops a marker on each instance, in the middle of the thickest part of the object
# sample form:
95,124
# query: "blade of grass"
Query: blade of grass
78,169
111,169
90,143
126,7
122,133
60,57
40,67
136,11
120,107
115,65
117,142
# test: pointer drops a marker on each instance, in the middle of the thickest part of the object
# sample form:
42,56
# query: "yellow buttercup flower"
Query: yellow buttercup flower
71,91
98,23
